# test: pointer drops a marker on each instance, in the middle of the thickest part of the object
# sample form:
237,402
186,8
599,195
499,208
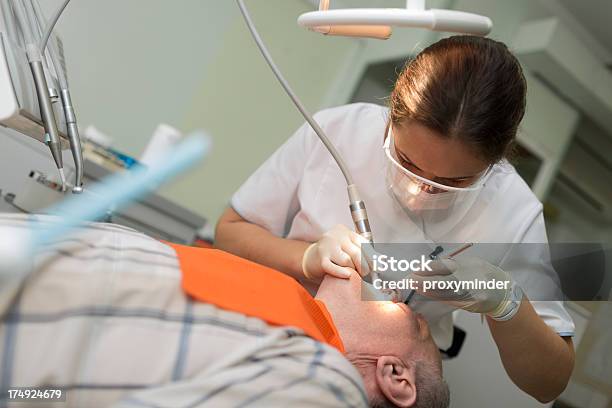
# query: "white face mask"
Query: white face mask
432,202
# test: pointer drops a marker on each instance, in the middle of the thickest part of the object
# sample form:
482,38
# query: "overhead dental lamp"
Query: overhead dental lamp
378,22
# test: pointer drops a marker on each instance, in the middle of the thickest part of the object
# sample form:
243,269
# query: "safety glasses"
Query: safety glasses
421,184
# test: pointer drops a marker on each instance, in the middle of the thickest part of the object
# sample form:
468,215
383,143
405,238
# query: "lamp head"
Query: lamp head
378,22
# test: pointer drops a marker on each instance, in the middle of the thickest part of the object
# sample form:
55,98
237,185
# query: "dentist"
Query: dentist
432,168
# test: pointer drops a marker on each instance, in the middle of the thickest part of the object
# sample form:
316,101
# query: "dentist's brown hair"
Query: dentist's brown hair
464,87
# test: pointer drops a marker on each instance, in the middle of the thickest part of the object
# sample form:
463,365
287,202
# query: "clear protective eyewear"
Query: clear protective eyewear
419,194
425,184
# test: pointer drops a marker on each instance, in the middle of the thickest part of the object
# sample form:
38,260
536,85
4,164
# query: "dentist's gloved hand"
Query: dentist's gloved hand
337,253
499,303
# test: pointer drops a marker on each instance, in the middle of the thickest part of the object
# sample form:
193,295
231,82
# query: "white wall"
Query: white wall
244,107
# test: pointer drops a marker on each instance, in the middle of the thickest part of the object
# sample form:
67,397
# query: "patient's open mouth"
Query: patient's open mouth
406,310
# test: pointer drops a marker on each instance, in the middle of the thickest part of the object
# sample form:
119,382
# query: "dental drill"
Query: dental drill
357,206
56,52
35,60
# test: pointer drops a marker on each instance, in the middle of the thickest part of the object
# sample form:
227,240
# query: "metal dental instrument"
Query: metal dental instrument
434,255
47,114
356,206
460,250
56,53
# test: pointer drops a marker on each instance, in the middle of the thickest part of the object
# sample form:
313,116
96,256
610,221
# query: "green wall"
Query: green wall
244,108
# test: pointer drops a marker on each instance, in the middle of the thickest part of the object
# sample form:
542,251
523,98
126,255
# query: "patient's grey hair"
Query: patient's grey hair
432,390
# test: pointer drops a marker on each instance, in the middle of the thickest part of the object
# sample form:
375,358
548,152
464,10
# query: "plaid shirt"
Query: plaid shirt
103,318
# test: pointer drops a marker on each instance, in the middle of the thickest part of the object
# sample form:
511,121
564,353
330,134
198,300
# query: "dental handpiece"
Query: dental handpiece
75,140
47,114
359,214
56,56
356,204
35,60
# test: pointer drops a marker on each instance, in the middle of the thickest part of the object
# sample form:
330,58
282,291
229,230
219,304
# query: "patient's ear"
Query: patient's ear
396,380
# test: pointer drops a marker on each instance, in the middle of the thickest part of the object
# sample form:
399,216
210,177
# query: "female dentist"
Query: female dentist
431,168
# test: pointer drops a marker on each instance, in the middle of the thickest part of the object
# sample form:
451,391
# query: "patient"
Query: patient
389,345
113,317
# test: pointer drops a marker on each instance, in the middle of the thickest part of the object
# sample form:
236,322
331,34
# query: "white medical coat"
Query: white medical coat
299,193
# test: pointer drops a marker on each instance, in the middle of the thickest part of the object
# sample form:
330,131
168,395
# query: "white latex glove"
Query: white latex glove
500,303
337,253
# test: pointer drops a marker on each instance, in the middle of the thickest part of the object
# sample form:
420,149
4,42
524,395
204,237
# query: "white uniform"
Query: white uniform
300,193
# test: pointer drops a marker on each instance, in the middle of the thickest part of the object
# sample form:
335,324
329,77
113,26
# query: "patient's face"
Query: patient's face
375,328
